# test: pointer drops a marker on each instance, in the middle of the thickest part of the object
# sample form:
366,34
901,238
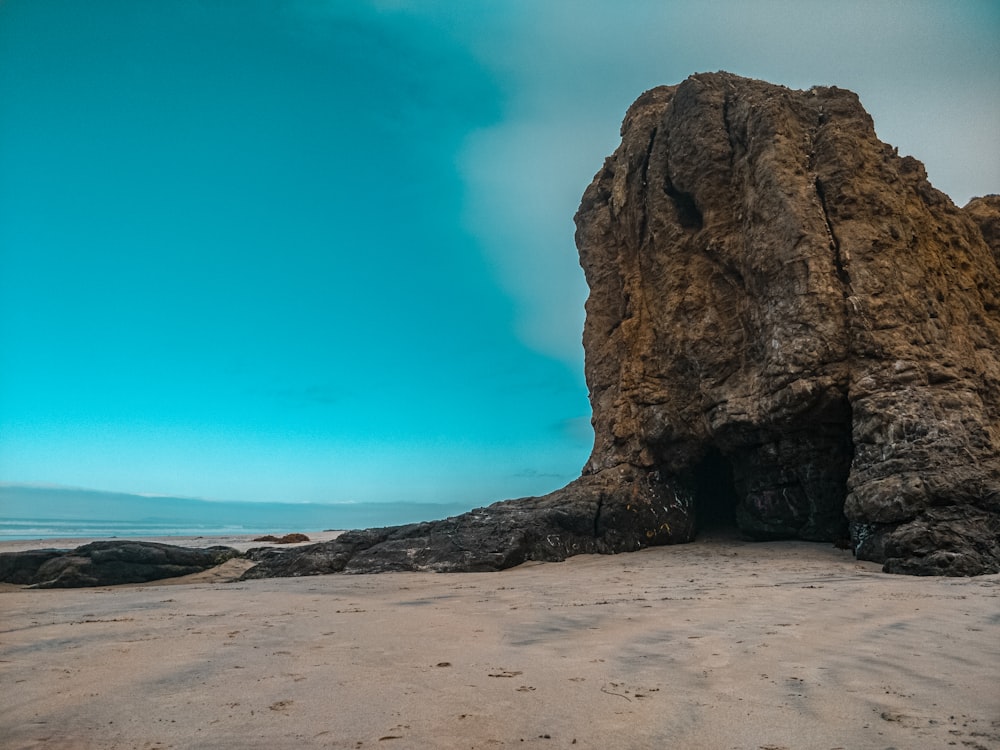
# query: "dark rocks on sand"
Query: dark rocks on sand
108,563
286,539
577,519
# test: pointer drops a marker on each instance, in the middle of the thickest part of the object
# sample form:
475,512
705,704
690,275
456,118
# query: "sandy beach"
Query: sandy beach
716,644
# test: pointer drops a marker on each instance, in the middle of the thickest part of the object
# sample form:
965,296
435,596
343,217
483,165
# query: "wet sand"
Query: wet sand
716,644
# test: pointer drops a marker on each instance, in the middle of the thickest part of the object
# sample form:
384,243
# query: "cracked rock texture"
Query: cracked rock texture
789,329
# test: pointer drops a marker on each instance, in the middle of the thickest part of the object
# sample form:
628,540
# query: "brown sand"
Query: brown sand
717,644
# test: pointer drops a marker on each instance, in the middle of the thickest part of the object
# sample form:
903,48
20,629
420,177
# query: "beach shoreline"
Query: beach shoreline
241,542
719,643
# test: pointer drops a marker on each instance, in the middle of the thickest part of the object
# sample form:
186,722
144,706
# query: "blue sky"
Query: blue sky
323,251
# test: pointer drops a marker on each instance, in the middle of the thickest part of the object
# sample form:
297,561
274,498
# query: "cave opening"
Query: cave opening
714,494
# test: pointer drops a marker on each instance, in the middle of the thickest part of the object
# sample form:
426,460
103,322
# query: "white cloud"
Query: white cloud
525,179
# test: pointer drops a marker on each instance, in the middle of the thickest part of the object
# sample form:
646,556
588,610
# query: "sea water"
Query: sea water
46,528
28,512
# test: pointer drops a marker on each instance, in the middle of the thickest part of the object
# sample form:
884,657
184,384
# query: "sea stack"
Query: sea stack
789,331
789,323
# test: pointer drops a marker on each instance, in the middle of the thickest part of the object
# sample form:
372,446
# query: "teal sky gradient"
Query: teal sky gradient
323,251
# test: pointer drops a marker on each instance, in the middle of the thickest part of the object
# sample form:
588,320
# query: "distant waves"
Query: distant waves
47,528
29,512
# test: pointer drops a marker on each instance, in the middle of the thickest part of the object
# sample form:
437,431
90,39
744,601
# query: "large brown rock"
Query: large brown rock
776,291
789,329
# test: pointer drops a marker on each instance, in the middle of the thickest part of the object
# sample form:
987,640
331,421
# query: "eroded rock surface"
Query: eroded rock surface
985,212
789,329
108,563
586,516
771,282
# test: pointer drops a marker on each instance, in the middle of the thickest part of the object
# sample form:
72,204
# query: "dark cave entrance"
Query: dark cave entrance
715,494
779,484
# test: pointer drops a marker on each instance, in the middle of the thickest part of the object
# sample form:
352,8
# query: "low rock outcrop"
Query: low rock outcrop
107,564
789,330
583,517
294,538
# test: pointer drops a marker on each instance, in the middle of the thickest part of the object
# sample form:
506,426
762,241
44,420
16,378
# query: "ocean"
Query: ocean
30,512
16,529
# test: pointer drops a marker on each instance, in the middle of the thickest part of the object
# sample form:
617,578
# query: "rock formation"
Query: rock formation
107,563
776,294
789,329
293,538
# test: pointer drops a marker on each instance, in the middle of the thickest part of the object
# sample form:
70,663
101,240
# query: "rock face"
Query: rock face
789,330
107,563
777,294
985,212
